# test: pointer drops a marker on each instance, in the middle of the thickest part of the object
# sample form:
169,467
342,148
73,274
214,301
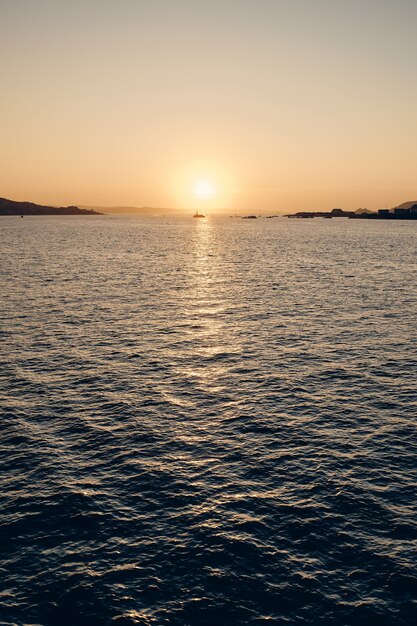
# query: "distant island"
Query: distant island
405,211
11,207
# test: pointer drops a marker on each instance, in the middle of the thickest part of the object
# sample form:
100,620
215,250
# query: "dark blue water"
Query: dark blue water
208,422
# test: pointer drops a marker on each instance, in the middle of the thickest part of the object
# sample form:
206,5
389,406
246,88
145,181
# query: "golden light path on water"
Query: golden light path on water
200,323
207,307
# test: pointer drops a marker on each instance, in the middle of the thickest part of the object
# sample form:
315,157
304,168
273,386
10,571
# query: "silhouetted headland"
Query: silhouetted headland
11,207
406,211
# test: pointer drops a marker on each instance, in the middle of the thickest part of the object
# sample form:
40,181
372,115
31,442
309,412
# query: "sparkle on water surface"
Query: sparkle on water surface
207,421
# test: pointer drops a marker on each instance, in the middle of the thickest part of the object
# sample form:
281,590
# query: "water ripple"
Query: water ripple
207,423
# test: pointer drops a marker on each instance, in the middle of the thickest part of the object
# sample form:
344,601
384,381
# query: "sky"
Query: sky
271,105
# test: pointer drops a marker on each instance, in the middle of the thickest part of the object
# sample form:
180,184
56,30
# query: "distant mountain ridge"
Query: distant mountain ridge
12,207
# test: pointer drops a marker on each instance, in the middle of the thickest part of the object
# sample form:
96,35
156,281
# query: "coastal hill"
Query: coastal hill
11,207
407,205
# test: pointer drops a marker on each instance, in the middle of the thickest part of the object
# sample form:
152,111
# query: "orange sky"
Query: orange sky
280,105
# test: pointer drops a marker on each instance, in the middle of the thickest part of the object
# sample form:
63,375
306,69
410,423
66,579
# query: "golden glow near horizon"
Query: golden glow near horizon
203,184
204,188
281,105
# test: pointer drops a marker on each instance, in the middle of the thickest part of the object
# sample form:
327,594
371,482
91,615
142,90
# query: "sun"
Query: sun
204,188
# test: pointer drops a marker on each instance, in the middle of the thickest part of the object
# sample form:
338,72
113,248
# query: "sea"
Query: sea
208,421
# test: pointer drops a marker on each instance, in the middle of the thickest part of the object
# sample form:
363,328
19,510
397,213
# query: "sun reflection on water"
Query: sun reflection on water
206,309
